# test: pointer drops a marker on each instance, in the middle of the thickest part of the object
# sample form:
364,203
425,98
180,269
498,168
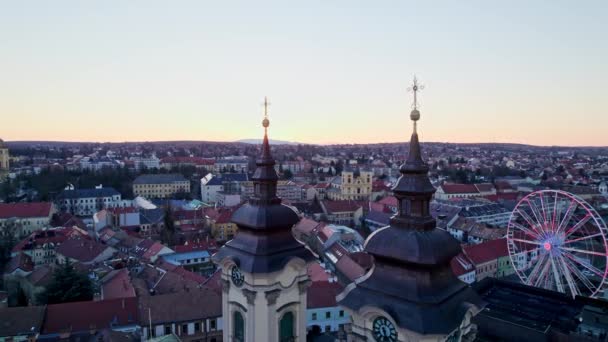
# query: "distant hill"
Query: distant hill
272,142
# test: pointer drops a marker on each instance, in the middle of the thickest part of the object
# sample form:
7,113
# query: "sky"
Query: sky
531,72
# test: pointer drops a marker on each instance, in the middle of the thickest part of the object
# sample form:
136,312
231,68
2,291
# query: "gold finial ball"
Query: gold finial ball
265,122
415,115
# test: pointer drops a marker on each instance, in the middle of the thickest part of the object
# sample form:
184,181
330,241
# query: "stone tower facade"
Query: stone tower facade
4,160
264,273
411,294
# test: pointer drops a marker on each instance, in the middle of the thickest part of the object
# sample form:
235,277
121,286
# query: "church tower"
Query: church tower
4,167
264,274
411,294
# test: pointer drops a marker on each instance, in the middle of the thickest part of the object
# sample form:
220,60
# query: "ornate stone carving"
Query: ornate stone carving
250,295
272,296
304,285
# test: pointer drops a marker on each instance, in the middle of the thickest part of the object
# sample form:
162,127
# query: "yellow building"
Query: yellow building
351,185
222,229
4,165
160,186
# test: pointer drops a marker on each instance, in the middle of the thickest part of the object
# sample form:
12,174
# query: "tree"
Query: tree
7,242
67,285
167,235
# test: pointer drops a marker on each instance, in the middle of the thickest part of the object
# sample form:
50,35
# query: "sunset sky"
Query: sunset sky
532,72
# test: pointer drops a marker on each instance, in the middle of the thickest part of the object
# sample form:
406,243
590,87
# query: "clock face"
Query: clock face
384,330
237,277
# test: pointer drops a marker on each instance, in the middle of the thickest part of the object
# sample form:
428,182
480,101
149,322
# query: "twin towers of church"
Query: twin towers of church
410,294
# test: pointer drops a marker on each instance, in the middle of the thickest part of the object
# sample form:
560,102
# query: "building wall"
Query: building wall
504,267
286,190
4,160
353,188
209,192
328,319
468,277
264,299
230,166
228,200
164,190
88,206
27,225
224,231
209,329
487,269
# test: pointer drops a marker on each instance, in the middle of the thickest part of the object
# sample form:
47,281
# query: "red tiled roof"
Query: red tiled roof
189,275
41,276
461,265
322,294
122,210
363,259
375,206
67,220
153,250
183,306
22,210
20,261
379,186
484,187
83,250
349,268
324,233
86,316
214,283
322,186
317,273
487,251
390,201
342,206
501,186
452,188
117,284
306,225
55,236
224,217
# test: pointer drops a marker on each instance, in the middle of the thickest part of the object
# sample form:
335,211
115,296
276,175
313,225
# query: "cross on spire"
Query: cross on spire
415,114
266,122
415,88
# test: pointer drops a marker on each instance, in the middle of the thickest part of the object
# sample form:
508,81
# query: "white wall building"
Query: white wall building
86,202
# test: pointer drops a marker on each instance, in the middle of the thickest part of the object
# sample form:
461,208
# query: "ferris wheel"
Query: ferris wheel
557,241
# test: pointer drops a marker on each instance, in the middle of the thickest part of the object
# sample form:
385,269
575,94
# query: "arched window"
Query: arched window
239,327
286,333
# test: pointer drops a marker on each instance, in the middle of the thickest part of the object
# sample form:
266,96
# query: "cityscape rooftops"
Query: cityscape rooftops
342,206
451,188
83,250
